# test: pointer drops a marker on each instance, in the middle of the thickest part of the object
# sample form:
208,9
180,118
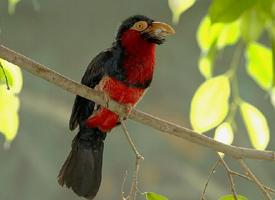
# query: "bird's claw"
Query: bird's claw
128,111
106,99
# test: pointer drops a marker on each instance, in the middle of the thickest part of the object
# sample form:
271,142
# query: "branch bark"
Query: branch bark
139,116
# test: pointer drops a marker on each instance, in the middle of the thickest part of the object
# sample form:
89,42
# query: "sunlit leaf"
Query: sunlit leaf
12,5
206,62
256,125
154,196
224,134
209,105
220,33
9,105
207,34
229,34
178,7
252,25
228,10
205,66
13,74
259,64
230,197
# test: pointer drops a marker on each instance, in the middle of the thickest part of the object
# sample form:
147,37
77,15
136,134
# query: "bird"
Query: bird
123,73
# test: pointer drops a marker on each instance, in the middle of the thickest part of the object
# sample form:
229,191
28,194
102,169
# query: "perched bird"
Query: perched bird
123,72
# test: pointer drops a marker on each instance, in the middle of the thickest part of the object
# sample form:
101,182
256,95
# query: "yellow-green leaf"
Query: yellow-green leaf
228,10
178,7
9,105
252,25
224,134
154,196
259,64
229,34
207,33
256,125
12,5
209,105
205,66
220,33
230,197
14,75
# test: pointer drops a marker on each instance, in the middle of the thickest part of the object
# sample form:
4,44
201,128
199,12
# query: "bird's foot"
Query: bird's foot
107,99
129,108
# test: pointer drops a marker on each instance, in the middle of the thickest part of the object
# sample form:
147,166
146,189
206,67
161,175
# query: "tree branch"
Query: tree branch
139,116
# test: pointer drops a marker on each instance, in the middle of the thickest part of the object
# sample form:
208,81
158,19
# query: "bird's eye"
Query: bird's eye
140,26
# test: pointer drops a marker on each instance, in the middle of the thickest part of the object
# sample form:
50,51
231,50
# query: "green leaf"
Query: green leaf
272,97
13,74
256,126
209,105
224,134
230,197
9,105
252,25
206,62
220,33
228,10
229,34
259,64
267,9
206,66
207,34
154,196
12,5
178,7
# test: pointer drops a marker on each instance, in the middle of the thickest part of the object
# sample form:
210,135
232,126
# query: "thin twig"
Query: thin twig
5,75
212,171
255,179
139,116
122,186
139,158
230,177
249,179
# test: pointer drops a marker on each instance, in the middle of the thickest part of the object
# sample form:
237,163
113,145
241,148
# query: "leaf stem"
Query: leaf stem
5,75
232,74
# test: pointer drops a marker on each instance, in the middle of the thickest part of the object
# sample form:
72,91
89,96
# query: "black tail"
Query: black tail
82,169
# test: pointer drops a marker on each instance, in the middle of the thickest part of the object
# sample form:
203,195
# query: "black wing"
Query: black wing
83,108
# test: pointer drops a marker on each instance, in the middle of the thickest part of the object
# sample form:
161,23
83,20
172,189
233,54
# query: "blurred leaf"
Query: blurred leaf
206,66
14,76
256,126
207,34
209,105
220,33
272,97
224,134
12,5
228,10
259,64
9,105
267,9
229,34
206,62
230,197
178,7
154,196
252,25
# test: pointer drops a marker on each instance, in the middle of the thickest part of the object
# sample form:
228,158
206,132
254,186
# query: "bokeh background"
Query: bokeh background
65,35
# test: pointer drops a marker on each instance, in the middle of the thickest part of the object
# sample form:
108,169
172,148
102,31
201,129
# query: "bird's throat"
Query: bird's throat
139,58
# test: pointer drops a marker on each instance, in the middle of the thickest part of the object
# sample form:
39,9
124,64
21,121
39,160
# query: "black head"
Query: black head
149,29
